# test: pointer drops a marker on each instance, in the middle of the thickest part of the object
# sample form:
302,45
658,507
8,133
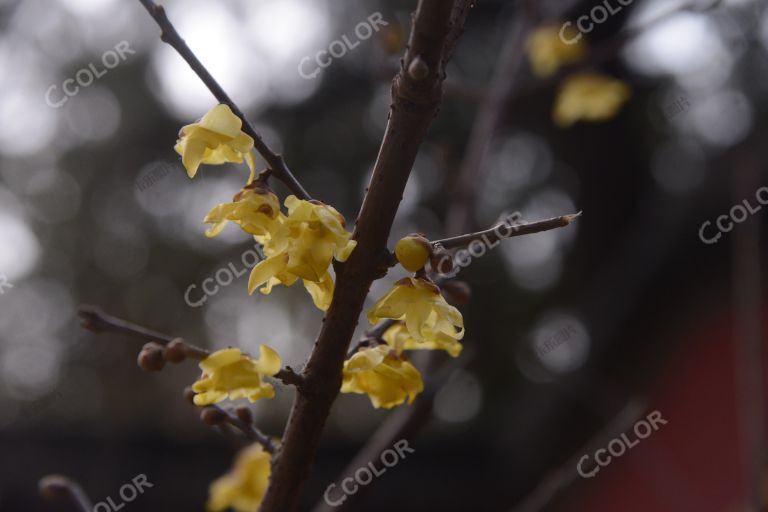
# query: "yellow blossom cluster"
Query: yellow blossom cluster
583,96
299,245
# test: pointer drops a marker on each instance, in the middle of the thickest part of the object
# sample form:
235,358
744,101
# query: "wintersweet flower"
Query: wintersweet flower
302,247
385,377
216,139
244,487
547,50
229,373
589,97
400,339
412,252
428,317
255,209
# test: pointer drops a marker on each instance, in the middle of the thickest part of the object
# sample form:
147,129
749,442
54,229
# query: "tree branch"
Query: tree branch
416,96
58,486
96,320
404,423
494,234
170,36
214,415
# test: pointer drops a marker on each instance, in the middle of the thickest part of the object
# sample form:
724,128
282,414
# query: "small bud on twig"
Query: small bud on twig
213,416
441,260
245,415
53,487
457,292
152,357
176,351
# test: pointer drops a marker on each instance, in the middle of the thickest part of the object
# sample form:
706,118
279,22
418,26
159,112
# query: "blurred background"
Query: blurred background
574,334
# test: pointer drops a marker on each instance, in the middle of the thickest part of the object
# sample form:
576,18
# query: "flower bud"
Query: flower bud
189,395
53,486
245,415
457,292
412,252
176,351
213,416
441,261
152,357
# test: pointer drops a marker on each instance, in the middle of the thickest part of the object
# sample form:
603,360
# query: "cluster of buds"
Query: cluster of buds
154,355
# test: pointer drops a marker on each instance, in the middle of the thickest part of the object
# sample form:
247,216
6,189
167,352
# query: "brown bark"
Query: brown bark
416,96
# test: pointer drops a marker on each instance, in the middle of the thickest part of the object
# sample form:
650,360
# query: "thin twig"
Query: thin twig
96,320
248,430
55,486
171,36
504,230
372,336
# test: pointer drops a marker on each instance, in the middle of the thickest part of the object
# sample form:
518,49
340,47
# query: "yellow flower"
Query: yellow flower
412,252
243,488
428,317
547,50
302,247
216,139
255,209
399,339
387,379
589,97
230,373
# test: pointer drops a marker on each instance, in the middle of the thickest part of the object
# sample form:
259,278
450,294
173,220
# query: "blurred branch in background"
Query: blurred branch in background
61,487
746,261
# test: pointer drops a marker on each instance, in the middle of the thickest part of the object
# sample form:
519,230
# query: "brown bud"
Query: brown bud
53,486
441,260
457,292
152,357
245,415
176,351
189,395
213,416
